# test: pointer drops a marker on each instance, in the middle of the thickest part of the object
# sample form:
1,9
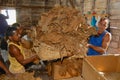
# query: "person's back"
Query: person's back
3,24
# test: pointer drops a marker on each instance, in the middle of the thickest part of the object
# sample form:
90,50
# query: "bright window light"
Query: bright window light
12,15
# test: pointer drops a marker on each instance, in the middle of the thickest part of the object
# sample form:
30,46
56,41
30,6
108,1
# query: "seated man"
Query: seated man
16,56
99,43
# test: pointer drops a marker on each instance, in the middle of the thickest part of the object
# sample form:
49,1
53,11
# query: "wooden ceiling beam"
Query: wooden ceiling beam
25,6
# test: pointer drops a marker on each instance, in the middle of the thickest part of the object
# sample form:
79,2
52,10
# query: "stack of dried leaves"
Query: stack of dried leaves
61,32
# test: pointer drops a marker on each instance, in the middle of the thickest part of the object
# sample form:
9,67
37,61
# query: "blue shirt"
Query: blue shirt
96,41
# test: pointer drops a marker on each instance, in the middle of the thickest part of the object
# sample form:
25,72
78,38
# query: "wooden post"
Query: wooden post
82,6
72,3
93,5
108,12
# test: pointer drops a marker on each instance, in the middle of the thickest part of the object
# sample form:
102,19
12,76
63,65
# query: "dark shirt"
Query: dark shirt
3,44
3,24
1,70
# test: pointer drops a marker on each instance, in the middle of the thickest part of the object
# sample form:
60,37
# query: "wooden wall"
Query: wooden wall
28,11
31,11
115,26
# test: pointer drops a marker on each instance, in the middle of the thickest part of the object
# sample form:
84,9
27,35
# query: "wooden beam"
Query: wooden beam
101,15
25,6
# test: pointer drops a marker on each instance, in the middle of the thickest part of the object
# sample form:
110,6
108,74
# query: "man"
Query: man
3,45
99,43
16,56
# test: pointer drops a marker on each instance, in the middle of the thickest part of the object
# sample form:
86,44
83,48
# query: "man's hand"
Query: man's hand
7,14
88,45
6,11
36,59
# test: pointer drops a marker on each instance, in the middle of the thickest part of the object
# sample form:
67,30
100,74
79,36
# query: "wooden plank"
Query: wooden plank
26,6
99,68
118,65
114,11
112,75
101,15
115,5
103,63
89,72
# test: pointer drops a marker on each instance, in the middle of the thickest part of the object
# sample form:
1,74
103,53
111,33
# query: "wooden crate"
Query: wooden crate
68,68
105,67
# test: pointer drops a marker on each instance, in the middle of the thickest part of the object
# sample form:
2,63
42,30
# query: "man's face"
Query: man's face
101,26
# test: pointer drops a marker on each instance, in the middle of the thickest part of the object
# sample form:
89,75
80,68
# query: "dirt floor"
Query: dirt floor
74,78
